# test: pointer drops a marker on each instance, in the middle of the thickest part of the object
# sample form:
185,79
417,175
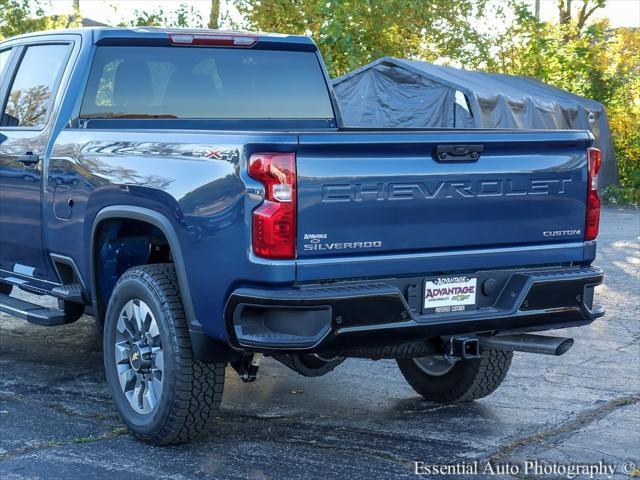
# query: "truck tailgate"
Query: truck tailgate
389,192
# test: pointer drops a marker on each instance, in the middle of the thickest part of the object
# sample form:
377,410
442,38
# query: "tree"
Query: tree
182,16
351,33
583,55
570,54
29,107
623,107
214,16
76,10
14,17
24,16
586,10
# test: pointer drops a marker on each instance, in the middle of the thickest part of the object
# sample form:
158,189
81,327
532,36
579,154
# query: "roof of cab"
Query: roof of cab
160,36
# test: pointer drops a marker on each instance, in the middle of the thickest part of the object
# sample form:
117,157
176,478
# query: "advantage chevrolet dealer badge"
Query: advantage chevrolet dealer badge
449,294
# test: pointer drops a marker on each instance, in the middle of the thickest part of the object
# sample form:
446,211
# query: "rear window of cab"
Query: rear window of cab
205,83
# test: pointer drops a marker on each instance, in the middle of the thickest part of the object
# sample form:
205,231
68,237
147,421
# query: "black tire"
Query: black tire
467,380
191,391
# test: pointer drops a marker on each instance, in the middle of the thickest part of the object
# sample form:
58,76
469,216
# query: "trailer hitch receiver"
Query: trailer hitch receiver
461,348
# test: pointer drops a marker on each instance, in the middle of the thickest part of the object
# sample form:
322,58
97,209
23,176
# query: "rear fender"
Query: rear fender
206,349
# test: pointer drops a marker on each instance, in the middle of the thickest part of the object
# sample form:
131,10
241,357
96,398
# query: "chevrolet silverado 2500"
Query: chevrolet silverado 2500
198,194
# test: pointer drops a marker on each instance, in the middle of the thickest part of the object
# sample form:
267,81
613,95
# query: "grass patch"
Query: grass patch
113,433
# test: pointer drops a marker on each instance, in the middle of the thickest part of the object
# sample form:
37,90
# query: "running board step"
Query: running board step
71,292
32,313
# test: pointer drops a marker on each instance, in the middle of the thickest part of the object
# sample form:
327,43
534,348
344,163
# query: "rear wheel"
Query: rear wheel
163,394
440,380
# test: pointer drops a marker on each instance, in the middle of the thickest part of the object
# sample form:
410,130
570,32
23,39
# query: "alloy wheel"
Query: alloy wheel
434,365
139,356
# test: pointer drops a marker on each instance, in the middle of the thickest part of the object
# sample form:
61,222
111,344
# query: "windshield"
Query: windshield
205,83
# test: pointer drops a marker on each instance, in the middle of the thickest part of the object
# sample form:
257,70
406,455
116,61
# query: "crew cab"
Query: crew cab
198,194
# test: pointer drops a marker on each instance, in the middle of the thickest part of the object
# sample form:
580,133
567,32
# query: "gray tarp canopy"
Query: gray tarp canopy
391,92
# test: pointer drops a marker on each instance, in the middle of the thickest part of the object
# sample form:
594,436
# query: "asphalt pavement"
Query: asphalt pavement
360,421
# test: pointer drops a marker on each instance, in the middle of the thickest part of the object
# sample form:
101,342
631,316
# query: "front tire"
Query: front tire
462,381
162,392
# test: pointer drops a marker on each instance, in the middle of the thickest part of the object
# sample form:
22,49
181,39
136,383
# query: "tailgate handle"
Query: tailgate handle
458,153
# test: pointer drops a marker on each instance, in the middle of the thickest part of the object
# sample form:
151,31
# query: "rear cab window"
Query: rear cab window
32,90
128,82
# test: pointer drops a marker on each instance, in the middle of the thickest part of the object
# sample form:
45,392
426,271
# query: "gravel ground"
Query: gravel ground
360,421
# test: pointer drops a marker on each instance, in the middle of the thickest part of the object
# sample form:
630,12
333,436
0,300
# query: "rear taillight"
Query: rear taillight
592,224
274,220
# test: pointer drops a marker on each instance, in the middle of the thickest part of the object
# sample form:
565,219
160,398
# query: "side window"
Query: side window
4,59
32,89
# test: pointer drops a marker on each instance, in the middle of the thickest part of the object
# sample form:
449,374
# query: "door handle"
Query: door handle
28,158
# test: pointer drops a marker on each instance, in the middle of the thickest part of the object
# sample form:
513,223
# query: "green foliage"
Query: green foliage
568,55
14,17
351,33
624,111
181,17
588,58
24,16
615,195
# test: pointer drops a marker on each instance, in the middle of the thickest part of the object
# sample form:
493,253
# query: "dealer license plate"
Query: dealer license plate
449,294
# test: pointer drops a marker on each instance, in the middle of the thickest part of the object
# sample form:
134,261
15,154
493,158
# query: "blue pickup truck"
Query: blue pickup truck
198,194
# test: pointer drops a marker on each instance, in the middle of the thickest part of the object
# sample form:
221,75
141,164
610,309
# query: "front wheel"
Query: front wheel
440,380
163,394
